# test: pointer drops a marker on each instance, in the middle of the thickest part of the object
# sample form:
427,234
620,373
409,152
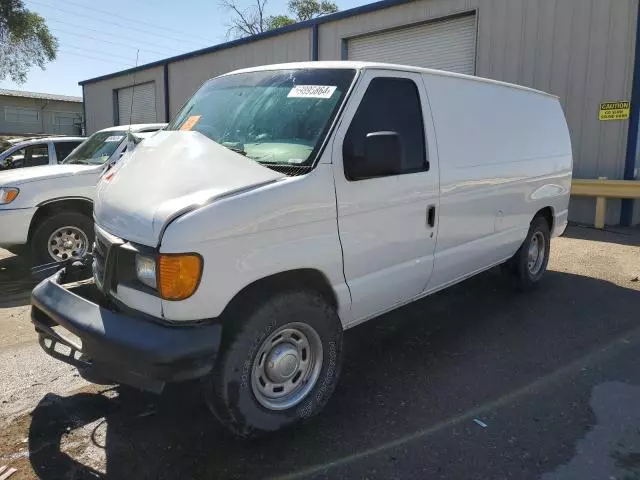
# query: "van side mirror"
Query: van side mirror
383,156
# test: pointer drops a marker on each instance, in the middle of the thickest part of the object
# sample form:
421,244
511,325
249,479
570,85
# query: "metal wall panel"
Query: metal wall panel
447,45
99,97
186,76
581,50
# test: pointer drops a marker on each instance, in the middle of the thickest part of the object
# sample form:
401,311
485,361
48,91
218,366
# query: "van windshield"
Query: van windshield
278,117
97,149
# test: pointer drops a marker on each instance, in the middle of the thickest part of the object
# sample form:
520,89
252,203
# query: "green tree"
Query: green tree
25,41
252,19
278,21
307,9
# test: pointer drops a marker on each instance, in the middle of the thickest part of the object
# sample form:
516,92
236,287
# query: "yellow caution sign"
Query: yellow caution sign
615,111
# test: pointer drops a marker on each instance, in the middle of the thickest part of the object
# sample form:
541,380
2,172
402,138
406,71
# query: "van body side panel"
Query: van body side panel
283,226
505,153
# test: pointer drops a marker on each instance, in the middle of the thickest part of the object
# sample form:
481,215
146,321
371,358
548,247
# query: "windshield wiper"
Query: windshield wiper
237,150
79,161
235,147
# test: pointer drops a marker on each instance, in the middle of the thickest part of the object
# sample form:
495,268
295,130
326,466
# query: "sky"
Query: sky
100,37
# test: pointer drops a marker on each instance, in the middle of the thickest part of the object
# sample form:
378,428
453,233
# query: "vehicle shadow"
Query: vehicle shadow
403,372
619,235
16,281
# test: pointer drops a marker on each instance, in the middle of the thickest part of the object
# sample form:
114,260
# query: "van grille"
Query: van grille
104,259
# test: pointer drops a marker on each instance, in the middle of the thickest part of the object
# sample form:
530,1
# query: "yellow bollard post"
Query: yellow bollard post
601,209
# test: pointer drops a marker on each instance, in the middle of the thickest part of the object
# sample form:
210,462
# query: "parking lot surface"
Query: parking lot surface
474,382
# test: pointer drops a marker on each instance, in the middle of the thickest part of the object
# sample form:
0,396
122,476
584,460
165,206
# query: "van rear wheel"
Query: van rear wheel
529,264
277,366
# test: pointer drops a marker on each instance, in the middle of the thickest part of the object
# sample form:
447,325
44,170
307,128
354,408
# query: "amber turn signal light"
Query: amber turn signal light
178,275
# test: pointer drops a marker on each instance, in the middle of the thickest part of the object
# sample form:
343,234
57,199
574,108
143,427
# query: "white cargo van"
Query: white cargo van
288,203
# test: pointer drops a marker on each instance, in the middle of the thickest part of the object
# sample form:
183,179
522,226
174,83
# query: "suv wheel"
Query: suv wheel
62,236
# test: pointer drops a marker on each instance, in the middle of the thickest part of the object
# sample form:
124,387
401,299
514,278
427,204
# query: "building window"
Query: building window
21,115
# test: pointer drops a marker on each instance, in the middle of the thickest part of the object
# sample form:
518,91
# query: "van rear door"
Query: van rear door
387,217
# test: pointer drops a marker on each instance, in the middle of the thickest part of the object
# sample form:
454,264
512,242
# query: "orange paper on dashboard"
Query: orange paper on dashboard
190,123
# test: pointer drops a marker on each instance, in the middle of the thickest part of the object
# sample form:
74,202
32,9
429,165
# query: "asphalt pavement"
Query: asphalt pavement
476,382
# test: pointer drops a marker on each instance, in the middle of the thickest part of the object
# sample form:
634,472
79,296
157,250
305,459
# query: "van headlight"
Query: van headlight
146,270
8,195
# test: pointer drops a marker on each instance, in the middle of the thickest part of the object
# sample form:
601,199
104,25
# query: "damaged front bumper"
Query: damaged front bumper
76,326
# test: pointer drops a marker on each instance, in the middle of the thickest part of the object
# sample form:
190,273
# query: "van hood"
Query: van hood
18,176
167,175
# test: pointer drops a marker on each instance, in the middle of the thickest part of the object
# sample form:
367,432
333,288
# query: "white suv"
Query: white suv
34,152
50,208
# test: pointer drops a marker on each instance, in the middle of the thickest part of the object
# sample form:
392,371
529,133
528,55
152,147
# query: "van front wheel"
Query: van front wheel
529,264
278,366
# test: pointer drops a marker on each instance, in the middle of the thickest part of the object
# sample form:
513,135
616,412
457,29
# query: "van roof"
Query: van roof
348,64
136,127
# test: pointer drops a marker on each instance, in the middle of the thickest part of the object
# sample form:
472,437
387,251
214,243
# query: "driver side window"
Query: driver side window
390,105
16,160
37,155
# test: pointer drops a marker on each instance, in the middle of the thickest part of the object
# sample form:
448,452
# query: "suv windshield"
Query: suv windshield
275,117
97,149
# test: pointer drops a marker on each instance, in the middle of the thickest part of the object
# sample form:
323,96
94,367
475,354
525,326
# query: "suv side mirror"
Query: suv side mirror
383,156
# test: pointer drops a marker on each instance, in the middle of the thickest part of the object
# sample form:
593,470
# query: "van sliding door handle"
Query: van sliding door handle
431,216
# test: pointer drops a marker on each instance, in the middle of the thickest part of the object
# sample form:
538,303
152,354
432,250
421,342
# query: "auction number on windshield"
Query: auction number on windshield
311,91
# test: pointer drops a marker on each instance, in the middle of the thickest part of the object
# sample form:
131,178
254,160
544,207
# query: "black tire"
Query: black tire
517,268
42,232
228,389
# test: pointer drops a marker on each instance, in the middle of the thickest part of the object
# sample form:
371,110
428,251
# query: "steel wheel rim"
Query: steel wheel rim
536,253
287,366
67,242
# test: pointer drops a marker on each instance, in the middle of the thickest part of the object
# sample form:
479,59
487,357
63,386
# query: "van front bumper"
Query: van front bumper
127,349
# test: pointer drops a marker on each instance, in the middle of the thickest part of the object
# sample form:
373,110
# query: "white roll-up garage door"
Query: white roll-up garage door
143,109
445,45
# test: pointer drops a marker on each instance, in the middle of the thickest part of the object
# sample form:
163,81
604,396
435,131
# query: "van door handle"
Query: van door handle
431,216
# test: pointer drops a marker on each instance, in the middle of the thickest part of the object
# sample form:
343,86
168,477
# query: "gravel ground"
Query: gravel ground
473,382
27,372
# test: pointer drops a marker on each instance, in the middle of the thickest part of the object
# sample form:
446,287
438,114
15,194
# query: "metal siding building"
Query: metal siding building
581,50
101,98
26,113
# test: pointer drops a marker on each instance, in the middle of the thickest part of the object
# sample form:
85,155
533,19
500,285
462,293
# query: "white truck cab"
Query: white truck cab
287,203
49,208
